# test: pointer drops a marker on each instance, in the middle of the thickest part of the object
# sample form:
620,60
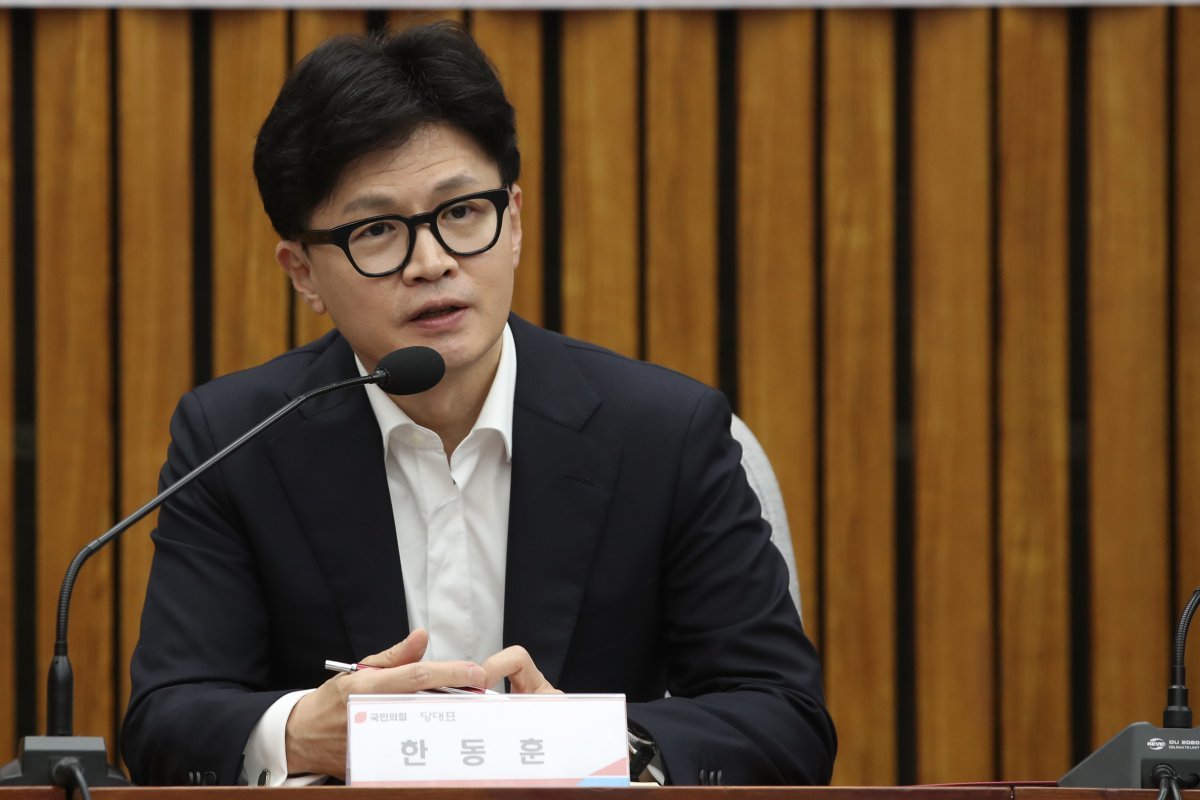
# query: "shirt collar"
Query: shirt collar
496,414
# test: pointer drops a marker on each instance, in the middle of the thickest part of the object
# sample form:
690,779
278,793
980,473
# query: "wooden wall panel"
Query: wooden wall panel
313,26
680,180
74,416
399,20
600,57
817,331
777,311
1127,363
859,636
952,391
8,611
310,28
251,294
154,107
1187,304
513,40
1032,394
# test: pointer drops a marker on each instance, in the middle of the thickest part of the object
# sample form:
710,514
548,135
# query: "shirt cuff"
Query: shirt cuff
265,757
652,774
656,771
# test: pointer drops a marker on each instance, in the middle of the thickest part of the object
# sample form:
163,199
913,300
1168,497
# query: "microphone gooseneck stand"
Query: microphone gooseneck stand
1146,757
62,759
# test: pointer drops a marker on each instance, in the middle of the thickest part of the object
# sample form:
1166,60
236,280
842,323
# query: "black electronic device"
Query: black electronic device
1144,756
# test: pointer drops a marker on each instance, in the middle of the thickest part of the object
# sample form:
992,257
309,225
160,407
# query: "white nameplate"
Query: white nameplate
486,740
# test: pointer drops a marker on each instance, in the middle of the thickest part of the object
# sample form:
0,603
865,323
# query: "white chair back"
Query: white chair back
763,482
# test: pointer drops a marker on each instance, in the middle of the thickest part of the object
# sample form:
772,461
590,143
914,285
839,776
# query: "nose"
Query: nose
429,261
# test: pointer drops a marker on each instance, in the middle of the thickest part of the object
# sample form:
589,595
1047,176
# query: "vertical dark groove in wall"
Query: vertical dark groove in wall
552,170
817,125
376,21
727,204
906,712
994,381
10,635
289,300
289,48
202,227
114,344
1173,576
1077,313
24,372
642,266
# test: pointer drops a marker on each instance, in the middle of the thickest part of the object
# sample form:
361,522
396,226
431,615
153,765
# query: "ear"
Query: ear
294,260
514,220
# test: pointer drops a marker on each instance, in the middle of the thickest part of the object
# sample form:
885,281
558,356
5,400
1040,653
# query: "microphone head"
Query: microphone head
411,370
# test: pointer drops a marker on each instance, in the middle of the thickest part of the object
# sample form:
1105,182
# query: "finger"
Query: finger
419,677
409,651
517,665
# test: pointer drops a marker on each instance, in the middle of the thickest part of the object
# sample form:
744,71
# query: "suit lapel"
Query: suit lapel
329,460
562,485
331,465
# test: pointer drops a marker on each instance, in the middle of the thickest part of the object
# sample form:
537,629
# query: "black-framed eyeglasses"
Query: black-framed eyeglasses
382,245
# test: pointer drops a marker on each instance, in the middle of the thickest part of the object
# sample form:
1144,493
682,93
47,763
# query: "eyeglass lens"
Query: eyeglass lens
465,227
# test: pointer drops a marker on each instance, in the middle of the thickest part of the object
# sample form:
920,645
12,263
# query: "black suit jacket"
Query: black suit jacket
637,562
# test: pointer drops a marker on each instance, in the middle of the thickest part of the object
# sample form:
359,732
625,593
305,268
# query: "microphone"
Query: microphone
59,757
410,370
1143,756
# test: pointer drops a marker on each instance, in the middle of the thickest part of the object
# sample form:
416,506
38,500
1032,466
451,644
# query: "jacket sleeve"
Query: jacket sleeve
746,705
201,665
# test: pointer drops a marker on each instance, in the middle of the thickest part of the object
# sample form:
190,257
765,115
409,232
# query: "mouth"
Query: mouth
436,311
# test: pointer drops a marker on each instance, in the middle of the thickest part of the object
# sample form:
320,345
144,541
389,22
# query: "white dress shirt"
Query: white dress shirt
451,516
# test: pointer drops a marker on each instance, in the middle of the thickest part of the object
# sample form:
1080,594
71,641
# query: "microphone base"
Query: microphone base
1127,760
37,755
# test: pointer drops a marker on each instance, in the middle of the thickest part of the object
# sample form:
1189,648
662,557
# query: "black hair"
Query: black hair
355,95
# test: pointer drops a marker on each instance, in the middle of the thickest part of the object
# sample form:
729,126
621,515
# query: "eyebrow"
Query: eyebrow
372,202
462,180
368,201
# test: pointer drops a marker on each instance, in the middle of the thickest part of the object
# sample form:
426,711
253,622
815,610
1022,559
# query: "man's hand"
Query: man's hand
517,665
315,738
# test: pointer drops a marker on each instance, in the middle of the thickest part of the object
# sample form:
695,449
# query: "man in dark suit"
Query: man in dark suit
551,515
